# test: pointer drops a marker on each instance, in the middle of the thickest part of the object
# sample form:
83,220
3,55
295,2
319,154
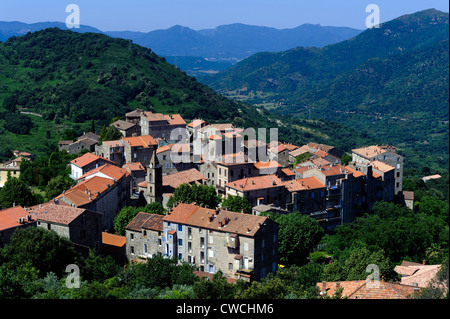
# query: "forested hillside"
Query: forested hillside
389,82
67,80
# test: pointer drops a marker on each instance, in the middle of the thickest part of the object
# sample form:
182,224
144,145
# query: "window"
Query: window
145,248
132,236
189,232
180,242
230,266
180,227
189,246
210,239
202,242
132,250
263,243
180,256
210,253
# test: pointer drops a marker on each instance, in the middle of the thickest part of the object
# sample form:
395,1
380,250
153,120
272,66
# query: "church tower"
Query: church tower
154,180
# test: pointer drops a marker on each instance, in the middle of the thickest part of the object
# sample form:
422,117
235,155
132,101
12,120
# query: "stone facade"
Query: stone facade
144,236
240,245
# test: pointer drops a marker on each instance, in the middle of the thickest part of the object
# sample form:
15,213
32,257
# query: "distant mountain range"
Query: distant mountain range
210,50
390,82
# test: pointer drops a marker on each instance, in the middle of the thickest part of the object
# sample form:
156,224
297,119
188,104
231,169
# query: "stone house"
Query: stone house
111,150
144,236
385,154
240,245
99,194
170,128
175,158
127,128
81,226
267,189
139,149
87,141
134,116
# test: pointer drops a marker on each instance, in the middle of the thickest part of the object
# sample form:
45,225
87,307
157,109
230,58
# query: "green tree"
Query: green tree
110,133
270,288
99,268
298,234
200,194
45,250
15,192
57,185
237,204
153,208
123,218
346,158
217,288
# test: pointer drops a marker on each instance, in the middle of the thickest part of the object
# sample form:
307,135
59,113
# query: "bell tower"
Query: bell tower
154,180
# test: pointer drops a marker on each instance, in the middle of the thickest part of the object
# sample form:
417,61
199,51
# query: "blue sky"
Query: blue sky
147,15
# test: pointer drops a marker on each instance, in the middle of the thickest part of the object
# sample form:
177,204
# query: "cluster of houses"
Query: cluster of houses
157,153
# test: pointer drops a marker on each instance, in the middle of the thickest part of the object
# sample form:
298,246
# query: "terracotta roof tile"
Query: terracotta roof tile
142,141
382,167
146,221
230,222
112,171
87,159
304,184
60,214
9,217
113,240
183,177
254,183
374,290
135,166
79,194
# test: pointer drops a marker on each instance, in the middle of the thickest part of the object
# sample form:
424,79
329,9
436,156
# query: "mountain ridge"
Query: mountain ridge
398,72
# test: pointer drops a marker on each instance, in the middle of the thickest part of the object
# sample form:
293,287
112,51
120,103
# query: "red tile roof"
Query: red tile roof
146,221
180,213
382,167
135,166
268,164
254,183
361,289
304,184
113,240
9,217
288,172
417,274
223,220
183,177
112,171
87,159
79,194
142,141
53,213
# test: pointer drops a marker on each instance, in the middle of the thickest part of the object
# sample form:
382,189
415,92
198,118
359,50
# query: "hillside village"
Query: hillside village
157,154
